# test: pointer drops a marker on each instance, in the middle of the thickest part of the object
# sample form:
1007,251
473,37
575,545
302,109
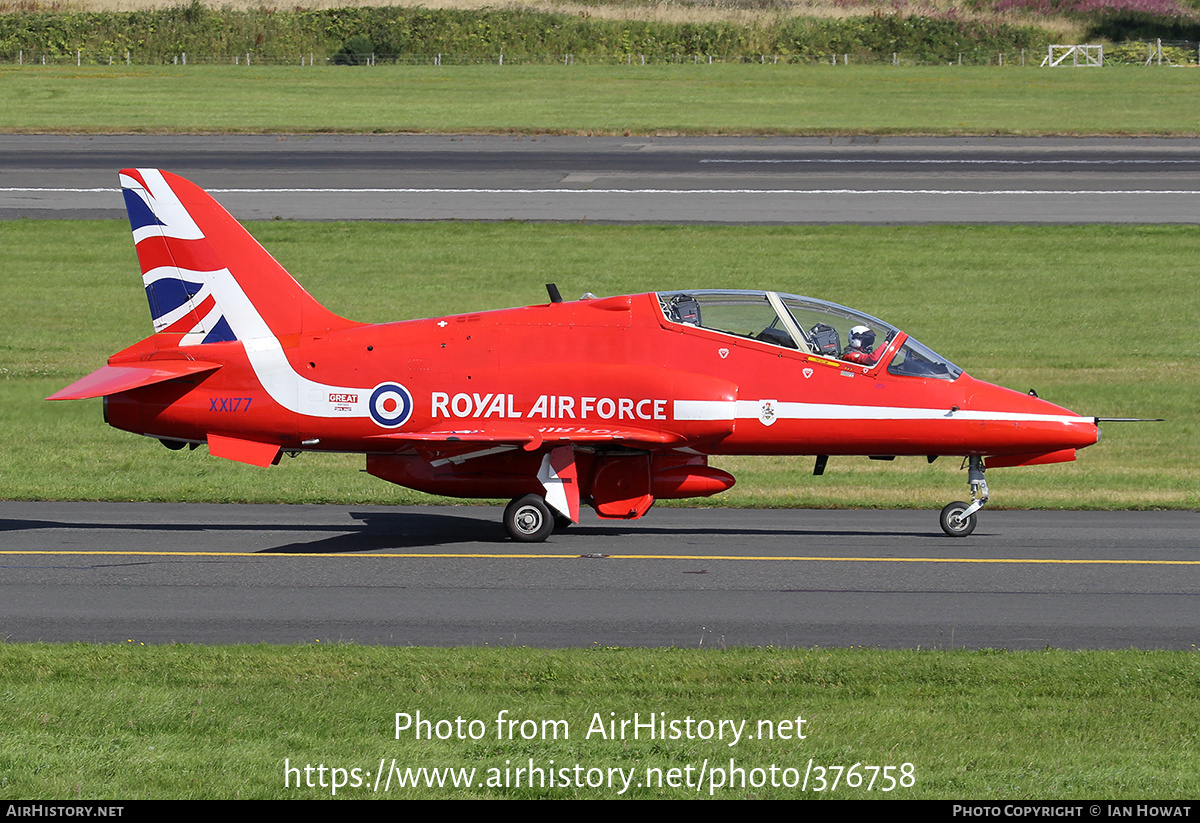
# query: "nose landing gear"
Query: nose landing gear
954,522
958,518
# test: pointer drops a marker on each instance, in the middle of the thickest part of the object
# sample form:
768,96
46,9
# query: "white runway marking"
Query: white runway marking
870,192
939,162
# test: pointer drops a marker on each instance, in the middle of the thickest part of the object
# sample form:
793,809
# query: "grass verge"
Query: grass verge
1093,317
92,722
687,99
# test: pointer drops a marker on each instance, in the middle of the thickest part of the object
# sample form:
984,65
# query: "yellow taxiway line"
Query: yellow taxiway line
523,556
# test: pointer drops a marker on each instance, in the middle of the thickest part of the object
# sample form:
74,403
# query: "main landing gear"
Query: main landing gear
958,518
528,519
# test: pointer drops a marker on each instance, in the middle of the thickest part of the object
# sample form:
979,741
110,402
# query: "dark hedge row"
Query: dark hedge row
1133,26
269,34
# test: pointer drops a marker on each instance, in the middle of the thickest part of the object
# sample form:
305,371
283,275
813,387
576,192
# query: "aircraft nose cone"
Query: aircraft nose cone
1077,431
1036,425
1085,431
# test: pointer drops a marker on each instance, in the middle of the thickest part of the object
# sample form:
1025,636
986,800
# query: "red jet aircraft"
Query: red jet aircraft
614,402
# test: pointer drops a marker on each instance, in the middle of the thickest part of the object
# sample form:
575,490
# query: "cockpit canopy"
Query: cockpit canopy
805,324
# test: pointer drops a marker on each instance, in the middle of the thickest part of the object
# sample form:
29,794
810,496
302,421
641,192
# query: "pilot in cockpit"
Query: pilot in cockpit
862,347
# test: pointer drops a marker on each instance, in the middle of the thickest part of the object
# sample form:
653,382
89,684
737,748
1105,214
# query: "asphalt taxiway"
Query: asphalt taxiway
161,573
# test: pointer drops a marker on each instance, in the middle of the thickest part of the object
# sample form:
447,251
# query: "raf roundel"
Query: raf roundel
391,405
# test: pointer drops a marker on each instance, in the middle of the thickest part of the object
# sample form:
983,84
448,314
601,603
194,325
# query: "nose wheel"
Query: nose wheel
958,518
953,521
528,519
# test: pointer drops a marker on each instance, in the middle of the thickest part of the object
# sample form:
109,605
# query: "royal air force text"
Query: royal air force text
546,407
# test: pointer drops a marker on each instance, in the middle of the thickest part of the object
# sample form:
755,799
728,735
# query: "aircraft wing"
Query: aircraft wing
611,434
531,438
108,380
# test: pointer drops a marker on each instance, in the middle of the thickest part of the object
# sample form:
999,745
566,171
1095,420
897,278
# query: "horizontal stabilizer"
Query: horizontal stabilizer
108,380
243,451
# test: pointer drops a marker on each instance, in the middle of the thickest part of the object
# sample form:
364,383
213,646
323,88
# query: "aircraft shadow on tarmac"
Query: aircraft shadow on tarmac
380,532
376,532
408,530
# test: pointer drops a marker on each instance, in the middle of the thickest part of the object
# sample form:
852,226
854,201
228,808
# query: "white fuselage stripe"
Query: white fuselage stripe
296,393
752,409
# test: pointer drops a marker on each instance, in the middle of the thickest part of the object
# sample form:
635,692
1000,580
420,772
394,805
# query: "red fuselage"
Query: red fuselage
614,365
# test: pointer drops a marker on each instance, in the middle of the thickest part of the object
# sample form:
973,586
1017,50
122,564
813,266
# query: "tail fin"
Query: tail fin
205,276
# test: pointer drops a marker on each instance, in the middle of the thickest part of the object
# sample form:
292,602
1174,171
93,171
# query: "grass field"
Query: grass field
687,99
1029,307
1097,318
87,722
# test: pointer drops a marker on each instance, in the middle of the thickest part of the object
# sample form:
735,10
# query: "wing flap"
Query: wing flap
108,380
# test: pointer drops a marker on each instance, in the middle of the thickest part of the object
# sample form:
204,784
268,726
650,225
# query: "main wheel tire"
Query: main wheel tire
953,523
528,519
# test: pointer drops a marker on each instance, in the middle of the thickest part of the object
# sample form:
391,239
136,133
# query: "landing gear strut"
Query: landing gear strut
528,519
958,519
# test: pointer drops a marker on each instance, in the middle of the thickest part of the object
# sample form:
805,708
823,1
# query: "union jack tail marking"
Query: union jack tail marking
205,276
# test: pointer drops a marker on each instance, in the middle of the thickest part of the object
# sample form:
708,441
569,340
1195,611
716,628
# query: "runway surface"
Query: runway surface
616,180
160,573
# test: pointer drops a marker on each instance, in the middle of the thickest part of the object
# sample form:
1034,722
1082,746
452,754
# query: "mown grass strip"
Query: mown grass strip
131,721
687,99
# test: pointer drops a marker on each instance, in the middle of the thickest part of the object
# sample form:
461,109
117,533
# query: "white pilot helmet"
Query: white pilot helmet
862,337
